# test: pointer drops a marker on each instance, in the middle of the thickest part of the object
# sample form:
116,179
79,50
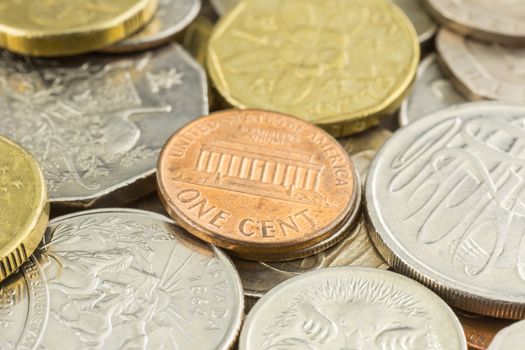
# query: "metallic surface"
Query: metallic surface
445,195
511,337
500,21
342,65
121,279
96,124
172,17
68,27
480,330
351,308
196,38
24,210
483,71
261,184
432,91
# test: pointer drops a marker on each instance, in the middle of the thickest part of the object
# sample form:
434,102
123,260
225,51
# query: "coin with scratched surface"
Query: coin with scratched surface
121,279
96,124
341,64
500,21
509,338
24,209
445,195
483,71
432,91
262,184
480,330
172,17
351,308
68,27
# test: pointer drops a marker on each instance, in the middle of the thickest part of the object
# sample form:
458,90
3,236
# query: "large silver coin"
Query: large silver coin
172,17
510,338
121,279
432,92
483,71
351,308
446,195
97,124
501,21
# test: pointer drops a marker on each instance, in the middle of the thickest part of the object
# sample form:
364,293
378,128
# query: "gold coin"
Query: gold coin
68,27
340,64
24,208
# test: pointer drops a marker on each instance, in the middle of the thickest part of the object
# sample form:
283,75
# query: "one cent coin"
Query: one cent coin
511,337
261,184
480,330
445,195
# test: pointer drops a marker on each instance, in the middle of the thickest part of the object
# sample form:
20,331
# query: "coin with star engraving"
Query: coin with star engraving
510,337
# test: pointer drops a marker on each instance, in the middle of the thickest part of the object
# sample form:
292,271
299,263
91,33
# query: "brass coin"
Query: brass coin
67,27
341,64
261,184
24,208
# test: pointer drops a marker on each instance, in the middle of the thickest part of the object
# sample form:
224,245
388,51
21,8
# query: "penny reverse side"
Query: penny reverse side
483,71
446,196
511,337
341,64
121,279
261,184
480,330
351,308
432,92
96,124
24,210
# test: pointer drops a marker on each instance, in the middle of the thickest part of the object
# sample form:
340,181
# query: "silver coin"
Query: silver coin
483,71
446,197
171,18
96,124
351,308
510,338
500,21
432,92
121,279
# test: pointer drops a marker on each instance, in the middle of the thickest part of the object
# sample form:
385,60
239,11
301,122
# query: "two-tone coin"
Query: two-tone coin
121,279
445,196
24,208
171,18
68,27
264,185
351,308
483,71
96,124
343,68
480,330
432,91
509,338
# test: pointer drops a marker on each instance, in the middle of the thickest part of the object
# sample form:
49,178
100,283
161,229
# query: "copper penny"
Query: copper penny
480,330
261,184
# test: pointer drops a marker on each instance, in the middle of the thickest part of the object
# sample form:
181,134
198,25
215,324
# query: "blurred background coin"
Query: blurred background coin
510,337
24,208
424,24
68,27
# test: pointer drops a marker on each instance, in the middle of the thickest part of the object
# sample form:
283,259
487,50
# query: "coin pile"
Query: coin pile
170,176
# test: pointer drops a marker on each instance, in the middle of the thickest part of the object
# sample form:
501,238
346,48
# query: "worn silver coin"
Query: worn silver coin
121,279
432,91
510,338
351,308
446,196
96,124
171,18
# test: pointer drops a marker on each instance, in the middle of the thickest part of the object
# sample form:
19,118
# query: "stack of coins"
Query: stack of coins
232,174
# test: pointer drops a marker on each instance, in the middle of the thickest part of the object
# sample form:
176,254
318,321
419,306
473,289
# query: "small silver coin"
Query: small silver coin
121,279
432,92
510,338
446,198
96,124
351,308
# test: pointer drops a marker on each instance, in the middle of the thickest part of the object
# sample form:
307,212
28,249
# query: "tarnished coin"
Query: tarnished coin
96,124
172,17
482,70
264,185
501,21
480,330
343,68
512,337
121,279
432,92
68,27
445,195
24,210
351,308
